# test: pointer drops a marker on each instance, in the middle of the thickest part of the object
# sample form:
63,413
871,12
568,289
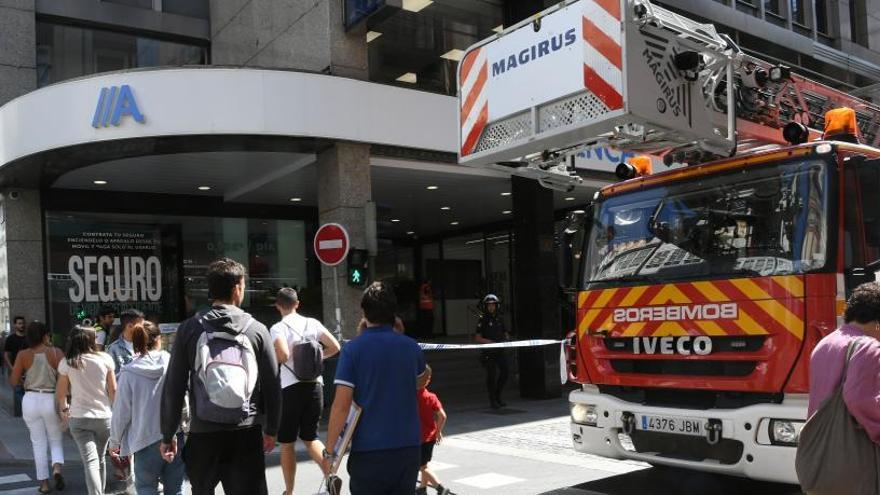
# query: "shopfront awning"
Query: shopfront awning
211,102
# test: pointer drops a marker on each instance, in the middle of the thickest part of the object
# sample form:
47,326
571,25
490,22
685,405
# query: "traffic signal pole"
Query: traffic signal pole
337,310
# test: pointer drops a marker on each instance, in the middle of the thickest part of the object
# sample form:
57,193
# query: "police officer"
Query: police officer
104,327
490,329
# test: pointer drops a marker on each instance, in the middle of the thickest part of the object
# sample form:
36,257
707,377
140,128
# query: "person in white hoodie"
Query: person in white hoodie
134,429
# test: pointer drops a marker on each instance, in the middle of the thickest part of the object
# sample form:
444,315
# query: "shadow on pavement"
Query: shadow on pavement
669,481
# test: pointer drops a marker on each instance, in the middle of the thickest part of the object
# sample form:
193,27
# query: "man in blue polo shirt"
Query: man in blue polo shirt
378,371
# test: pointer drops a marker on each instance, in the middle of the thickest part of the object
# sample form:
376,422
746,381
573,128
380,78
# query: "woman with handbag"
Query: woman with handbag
39,366
839,448
88,375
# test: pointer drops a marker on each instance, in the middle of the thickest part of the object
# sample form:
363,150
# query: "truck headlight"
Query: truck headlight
584,414
785,431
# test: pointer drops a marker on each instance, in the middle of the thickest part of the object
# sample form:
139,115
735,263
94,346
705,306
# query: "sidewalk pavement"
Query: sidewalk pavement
525,445
15,444
15,440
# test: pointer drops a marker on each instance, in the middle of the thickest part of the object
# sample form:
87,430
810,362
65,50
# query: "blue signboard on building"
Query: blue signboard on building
356,11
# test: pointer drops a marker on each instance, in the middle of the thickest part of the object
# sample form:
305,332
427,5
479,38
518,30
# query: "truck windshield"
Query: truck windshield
765,220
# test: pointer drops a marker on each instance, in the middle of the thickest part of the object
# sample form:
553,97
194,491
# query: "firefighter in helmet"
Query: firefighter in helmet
490,329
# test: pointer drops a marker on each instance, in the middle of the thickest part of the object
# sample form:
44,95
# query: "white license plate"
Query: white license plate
670,424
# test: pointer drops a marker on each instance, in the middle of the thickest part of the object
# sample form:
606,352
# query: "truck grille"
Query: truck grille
686,448
689,399
683,368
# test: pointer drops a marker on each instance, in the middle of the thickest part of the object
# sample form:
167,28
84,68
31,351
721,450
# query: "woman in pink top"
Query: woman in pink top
861,391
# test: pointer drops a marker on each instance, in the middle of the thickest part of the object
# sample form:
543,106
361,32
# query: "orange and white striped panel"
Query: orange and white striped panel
603,53
473,75
745,306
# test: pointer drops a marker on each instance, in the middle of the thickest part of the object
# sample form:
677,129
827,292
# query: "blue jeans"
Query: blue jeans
149,468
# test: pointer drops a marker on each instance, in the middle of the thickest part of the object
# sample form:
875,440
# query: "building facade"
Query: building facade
139,139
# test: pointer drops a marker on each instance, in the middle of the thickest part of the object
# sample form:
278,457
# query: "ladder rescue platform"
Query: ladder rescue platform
634,76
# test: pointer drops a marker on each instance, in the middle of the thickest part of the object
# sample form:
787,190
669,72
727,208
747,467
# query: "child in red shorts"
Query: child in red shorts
432,417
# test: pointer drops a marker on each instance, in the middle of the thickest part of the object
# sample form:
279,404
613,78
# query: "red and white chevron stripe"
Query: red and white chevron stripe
473,74
603,55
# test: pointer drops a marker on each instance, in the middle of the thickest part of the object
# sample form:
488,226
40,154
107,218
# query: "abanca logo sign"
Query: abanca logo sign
534,52
114,103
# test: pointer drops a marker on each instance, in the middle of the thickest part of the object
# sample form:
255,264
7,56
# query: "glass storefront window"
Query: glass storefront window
157,264
459,278
65,52
189,8
141,4
430,320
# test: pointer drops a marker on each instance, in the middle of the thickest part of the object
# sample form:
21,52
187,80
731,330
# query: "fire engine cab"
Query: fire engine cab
706,284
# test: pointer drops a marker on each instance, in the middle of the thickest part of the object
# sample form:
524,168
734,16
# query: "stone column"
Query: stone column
344,188
22,275
18,50
536,288
21,242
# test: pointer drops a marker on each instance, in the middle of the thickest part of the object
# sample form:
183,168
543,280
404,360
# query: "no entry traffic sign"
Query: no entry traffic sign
331,244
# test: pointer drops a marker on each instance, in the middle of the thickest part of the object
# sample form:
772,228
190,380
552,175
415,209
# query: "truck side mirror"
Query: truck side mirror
577,225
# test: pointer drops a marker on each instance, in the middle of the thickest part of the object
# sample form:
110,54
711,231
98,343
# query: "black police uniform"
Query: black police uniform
495,360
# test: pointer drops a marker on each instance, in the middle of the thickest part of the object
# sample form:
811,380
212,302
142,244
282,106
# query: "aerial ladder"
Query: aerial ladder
634,76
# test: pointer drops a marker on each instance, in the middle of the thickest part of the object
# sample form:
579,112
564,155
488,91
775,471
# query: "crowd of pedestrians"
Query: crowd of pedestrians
230,388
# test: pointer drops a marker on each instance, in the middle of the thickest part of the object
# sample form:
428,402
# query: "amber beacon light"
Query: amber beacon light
637,167
841,125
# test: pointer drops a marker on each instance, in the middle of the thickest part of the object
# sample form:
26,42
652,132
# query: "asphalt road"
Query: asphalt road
531,454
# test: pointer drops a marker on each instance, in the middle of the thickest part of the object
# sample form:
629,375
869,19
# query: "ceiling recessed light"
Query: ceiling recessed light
579,212
506,212
409,77
409,232
455,55
508,193
570,198
498,28
432,188
445,208
453,223
296,200
204,188
371,35
100,182
416,5
395,220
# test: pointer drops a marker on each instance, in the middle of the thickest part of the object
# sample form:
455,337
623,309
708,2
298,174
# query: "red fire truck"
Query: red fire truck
704,287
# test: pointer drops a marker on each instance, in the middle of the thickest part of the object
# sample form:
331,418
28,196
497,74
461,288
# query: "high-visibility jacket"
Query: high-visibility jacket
426,297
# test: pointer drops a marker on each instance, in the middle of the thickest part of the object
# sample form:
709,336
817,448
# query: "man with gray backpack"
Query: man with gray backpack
301,345
224,358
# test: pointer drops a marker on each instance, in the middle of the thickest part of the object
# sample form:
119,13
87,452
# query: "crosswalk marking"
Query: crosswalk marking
14,478
20,491
440,466
488,480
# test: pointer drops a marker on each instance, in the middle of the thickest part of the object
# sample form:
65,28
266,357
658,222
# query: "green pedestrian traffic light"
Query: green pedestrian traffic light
358,268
